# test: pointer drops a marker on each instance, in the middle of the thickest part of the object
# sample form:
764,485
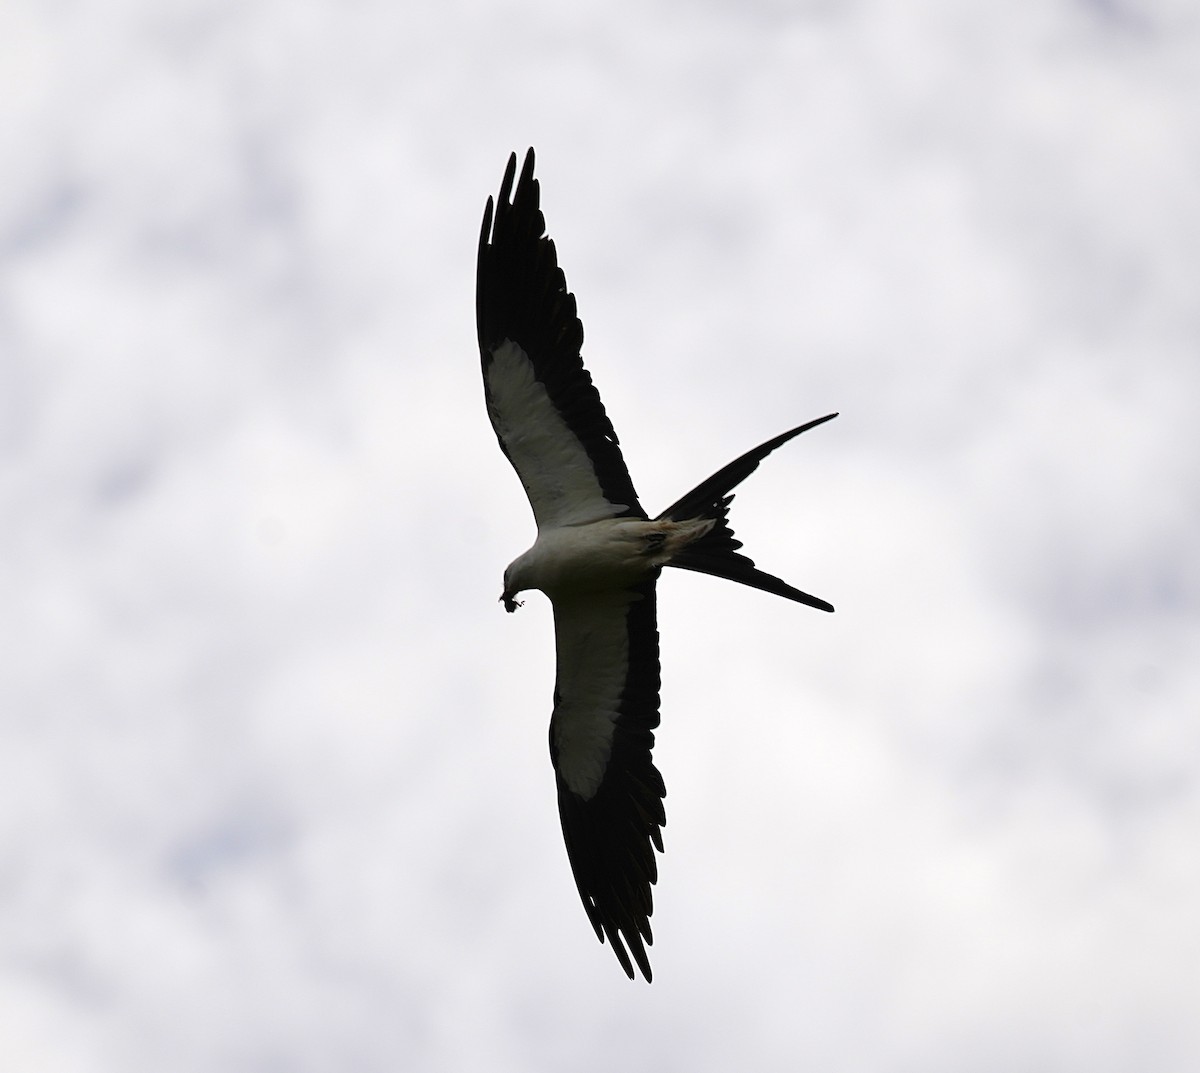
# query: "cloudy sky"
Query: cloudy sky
274,788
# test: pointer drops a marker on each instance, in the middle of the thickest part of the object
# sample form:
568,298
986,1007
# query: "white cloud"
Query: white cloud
273,783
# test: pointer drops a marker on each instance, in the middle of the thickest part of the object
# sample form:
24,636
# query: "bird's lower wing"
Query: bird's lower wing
610,795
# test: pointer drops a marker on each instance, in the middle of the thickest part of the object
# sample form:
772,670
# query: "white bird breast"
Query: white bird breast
575,560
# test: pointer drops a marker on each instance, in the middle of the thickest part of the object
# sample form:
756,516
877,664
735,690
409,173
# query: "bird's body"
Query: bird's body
597,557
575,560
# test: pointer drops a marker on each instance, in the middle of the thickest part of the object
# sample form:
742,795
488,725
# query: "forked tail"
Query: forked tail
716,552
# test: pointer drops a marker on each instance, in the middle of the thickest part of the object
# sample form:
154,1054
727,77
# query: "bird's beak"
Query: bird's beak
510,605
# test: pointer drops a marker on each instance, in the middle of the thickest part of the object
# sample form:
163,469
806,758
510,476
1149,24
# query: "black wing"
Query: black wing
543,405
610,795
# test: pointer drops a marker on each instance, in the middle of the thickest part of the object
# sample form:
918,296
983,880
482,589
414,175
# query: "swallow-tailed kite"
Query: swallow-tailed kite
597,556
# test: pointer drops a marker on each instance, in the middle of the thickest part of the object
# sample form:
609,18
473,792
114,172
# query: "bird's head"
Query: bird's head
511,587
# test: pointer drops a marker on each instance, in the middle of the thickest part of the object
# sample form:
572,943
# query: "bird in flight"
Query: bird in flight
597,557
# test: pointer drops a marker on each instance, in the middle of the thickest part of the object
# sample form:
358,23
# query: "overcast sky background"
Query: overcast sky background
274,786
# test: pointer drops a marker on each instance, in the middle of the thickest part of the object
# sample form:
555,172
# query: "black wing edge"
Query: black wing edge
716,552
611,838
521,294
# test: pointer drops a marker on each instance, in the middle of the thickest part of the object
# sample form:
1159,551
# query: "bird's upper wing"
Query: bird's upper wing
546,412
610,795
